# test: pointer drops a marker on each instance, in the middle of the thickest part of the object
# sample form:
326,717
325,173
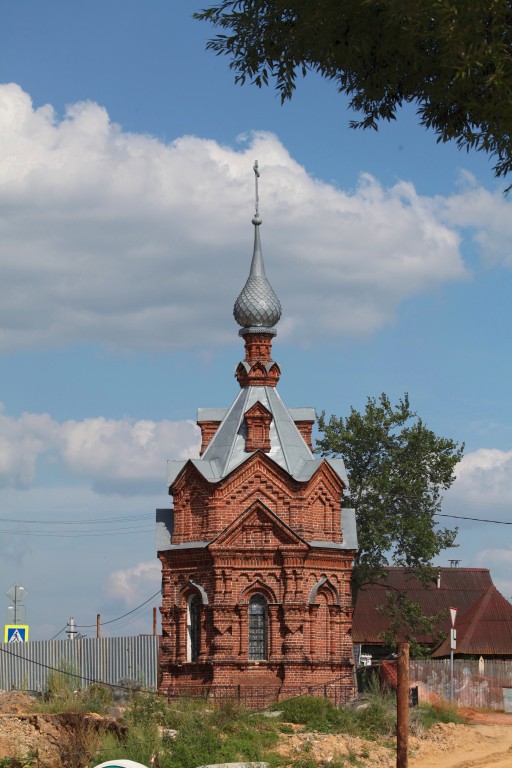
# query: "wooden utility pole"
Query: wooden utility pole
98,624
402,706
154,620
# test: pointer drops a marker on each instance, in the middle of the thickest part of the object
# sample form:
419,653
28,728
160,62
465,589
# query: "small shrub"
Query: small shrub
441,712
205,734
316,713
379,717
26,761
353,759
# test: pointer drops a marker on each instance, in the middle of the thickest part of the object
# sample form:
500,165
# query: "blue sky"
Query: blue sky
126,197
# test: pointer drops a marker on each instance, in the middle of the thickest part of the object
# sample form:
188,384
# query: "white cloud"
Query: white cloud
123,456
488,214
485,476
133,585
22,441
497,555
499,560
118,238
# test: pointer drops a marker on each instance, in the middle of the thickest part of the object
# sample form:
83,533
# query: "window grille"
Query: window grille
258,628
193,627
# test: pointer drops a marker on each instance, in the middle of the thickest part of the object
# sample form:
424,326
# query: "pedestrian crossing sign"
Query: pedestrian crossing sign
15,633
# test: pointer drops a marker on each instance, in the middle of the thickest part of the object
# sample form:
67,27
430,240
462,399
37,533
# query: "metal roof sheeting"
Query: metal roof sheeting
485,629
459,588
288,449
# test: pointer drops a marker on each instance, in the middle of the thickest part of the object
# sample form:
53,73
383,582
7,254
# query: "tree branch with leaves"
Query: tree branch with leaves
452,60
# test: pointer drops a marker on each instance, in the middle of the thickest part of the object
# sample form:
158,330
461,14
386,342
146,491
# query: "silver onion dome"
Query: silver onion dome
257,306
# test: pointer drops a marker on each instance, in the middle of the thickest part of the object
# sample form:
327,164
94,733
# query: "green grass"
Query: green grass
377,718
206,733
63,694
443,712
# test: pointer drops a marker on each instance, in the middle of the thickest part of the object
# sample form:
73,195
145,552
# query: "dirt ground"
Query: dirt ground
485,742
59,740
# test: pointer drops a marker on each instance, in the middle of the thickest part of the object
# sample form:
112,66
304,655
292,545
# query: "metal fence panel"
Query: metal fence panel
26,666
477,683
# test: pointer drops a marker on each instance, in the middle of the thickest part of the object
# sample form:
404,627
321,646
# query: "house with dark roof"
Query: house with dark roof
484,616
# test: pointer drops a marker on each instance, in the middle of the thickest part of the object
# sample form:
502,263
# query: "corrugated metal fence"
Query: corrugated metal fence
26,666
485,683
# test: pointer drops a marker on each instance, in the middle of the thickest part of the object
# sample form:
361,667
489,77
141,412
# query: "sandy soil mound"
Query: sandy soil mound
63,740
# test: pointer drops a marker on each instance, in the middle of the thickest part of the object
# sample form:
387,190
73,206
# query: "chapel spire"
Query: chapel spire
257,309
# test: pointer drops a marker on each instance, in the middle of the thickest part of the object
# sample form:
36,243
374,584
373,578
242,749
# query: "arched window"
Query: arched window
193,627
258,628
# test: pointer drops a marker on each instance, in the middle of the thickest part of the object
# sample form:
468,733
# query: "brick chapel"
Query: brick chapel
257,552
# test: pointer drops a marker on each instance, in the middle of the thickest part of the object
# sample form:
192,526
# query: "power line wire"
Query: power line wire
111,621
474,519
120,519
78,534
66,672
58,633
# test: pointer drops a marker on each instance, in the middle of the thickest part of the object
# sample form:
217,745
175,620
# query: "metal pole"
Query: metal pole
71,631
15,603
402,705
451,672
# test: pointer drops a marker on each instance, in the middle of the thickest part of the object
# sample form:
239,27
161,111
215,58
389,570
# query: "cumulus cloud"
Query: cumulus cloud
119,238
498,555
488,214
485,476
499,560
22,441
133,585
123,456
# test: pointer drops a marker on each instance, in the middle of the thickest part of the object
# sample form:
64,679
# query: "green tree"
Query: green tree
406,621
452,59
397,470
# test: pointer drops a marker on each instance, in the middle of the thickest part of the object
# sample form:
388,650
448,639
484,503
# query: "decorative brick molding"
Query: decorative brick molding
257,422
306,430
208,429
258,369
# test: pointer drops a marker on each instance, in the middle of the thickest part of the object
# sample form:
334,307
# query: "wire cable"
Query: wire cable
59,632
474,519
66,672
76,534
111,621
138,516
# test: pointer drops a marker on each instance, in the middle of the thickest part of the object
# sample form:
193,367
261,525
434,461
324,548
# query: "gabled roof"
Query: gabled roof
485,629
288,448
458,588
256,516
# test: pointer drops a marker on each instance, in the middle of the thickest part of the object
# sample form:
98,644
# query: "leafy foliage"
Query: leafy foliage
452,60
397,468
406,621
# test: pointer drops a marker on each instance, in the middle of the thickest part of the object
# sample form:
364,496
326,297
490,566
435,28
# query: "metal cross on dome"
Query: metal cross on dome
256,177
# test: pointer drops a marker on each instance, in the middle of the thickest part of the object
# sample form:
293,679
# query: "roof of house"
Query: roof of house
485,629
456,588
